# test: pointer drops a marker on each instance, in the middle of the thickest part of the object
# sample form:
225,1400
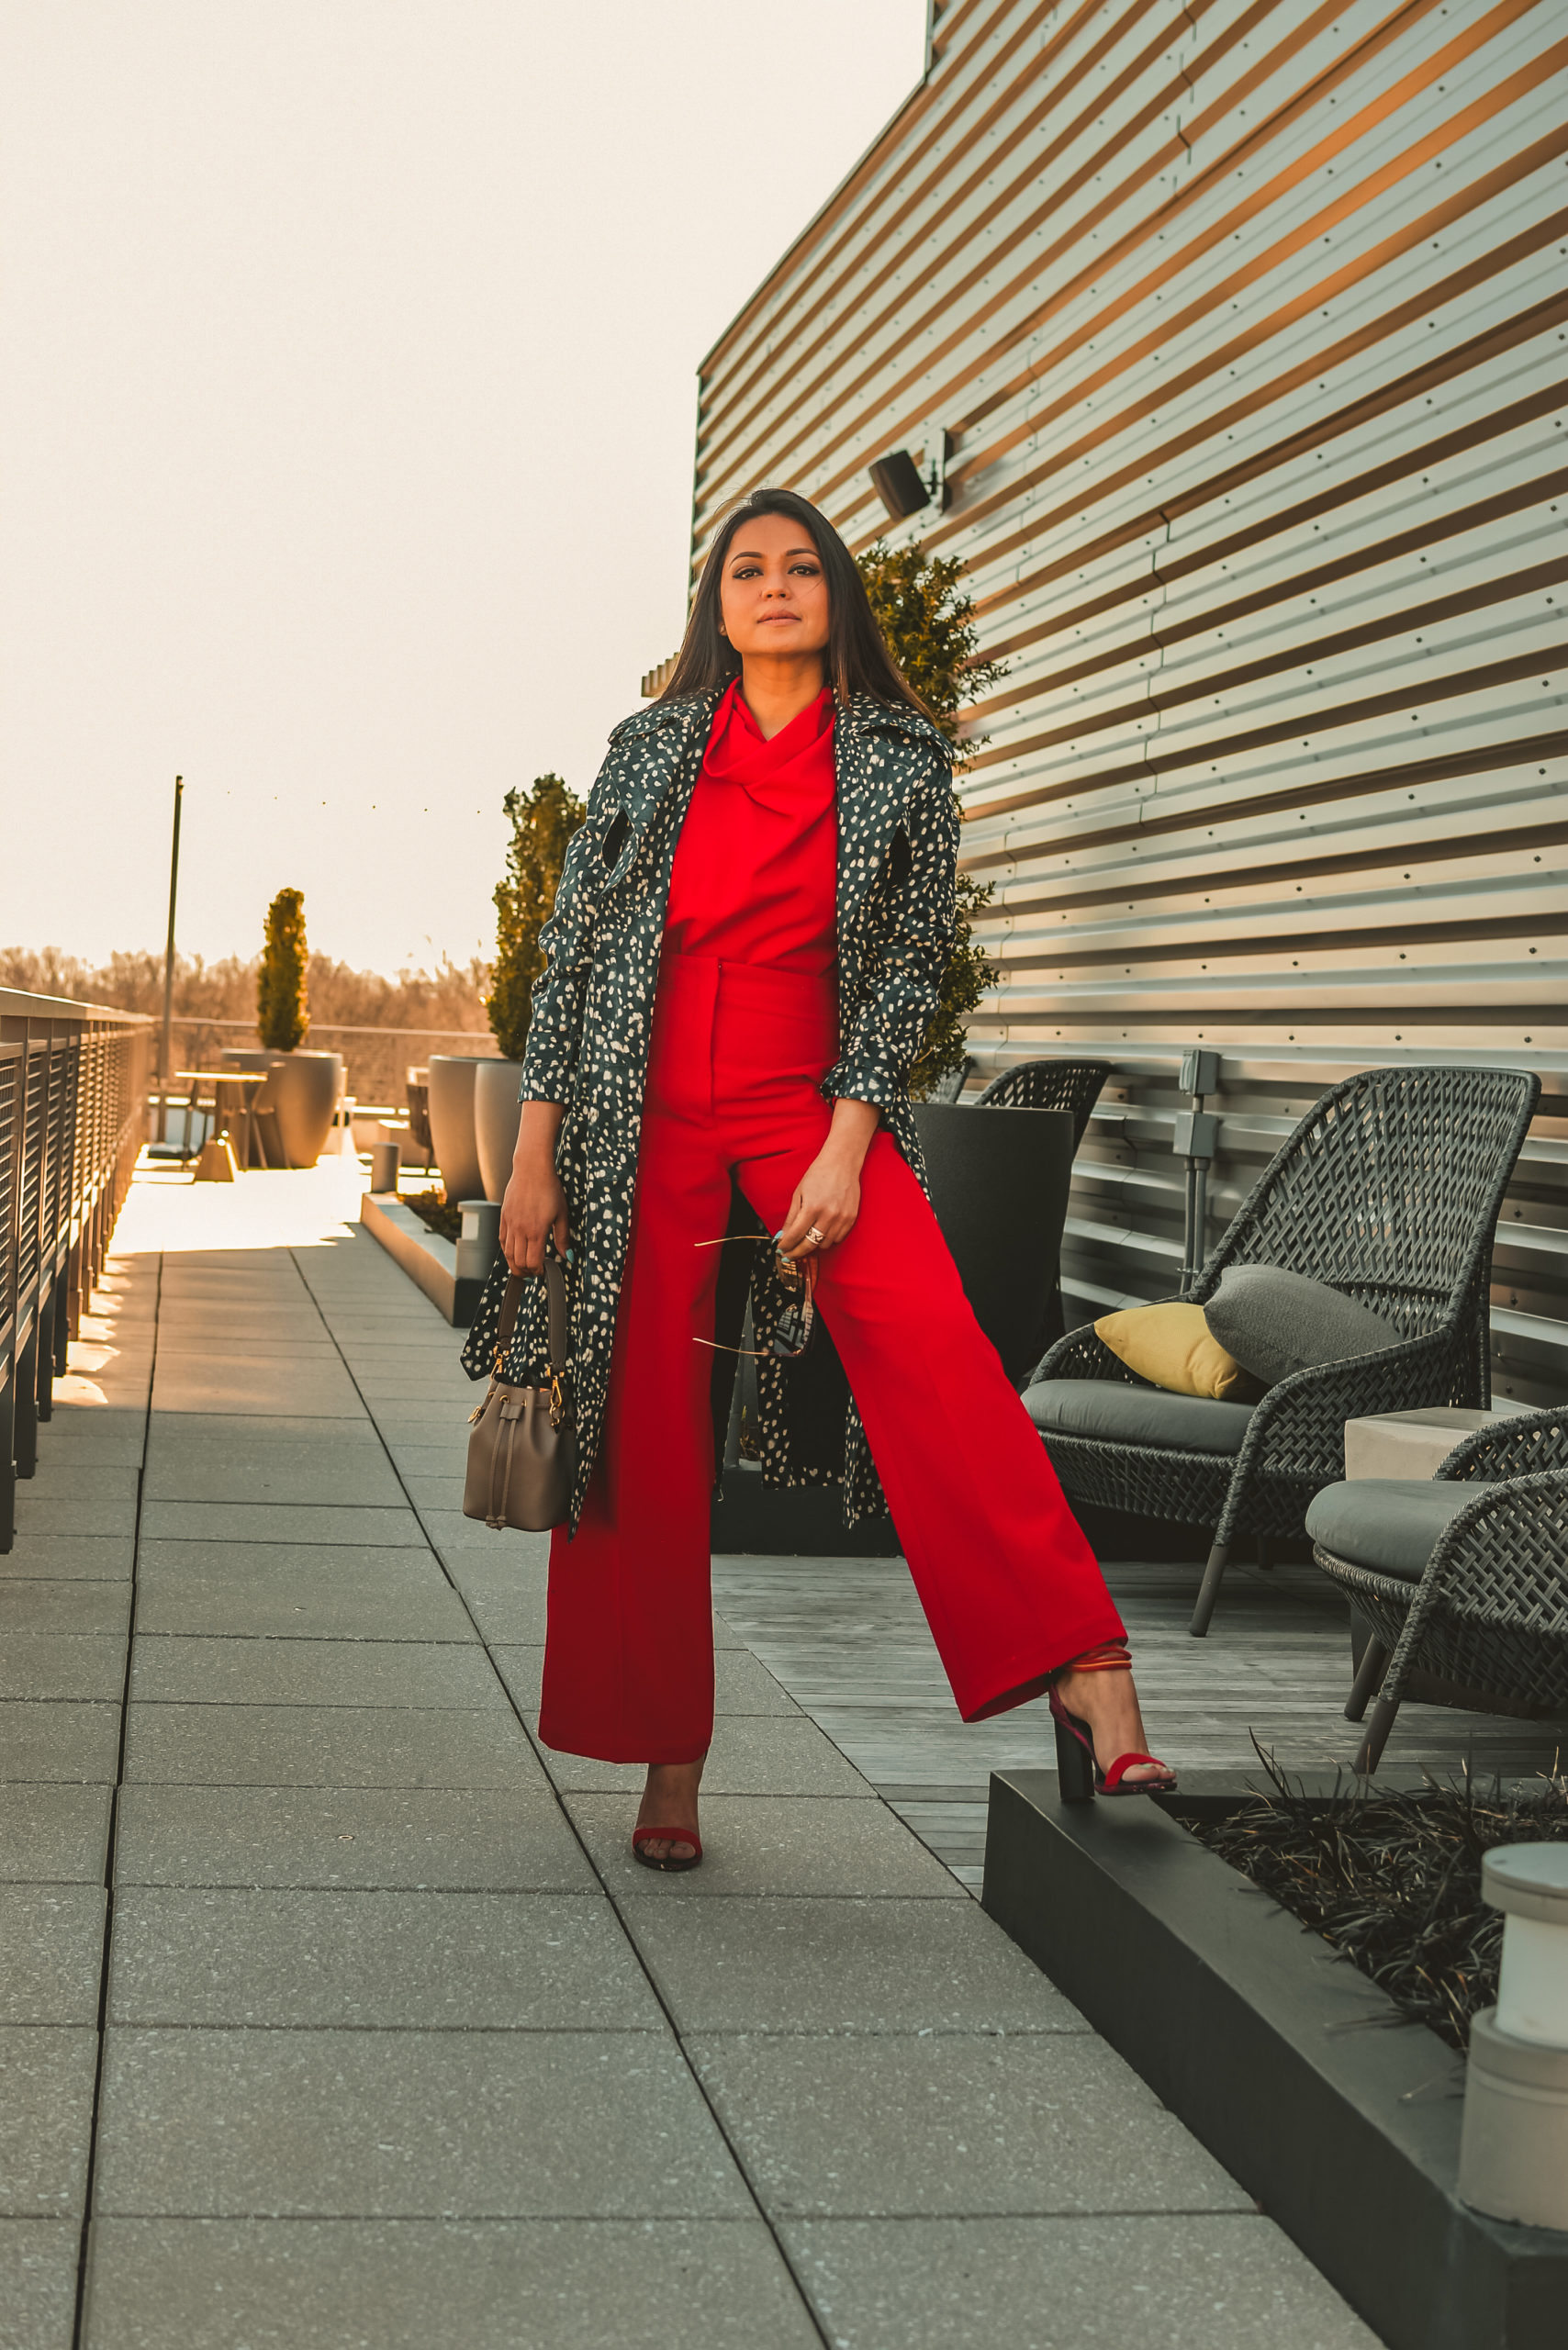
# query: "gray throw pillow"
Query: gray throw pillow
1274,1322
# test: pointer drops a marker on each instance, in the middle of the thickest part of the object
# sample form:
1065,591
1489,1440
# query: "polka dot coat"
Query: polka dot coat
587,1043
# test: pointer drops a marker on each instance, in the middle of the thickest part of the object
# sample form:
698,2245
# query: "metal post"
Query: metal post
1195,1139
165,1055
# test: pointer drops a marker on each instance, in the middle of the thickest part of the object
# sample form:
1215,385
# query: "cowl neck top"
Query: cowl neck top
755,867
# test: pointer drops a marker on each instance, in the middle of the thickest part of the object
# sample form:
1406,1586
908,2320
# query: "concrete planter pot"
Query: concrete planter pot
305,1087
497,1110
450,1113
999,1184
294,1108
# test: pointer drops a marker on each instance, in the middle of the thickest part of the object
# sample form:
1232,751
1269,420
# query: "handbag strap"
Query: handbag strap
555,1296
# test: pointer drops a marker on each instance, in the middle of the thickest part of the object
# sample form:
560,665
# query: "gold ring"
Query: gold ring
814,1238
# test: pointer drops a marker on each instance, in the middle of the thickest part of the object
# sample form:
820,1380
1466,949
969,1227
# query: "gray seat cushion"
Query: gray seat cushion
1389,1523
1275,1322
1118,1414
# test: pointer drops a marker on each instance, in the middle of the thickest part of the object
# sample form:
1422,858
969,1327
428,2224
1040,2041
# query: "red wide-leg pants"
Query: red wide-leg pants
1008,1581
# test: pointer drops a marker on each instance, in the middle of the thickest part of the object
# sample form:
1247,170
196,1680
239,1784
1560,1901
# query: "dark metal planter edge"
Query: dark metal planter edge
1291,2068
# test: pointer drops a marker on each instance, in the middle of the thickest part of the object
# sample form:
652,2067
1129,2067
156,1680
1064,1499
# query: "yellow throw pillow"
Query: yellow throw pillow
1171,1345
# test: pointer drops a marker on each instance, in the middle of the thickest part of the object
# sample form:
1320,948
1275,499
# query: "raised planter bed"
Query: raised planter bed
1294,2071
424,1256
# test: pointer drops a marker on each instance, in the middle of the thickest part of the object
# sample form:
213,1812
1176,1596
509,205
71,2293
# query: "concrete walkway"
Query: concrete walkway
394,2047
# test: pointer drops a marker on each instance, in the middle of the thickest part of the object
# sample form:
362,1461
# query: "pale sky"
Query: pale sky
347,397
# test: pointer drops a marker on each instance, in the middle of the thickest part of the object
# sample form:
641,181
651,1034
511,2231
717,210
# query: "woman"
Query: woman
744,955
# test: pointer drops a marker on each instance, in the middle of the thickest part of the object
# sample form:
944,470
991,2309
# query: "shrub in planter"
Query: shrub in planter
928,619
283,1016
294,1108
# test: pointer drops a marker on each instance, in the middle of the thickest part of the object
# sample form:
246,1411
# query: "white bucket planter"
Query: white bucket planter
497,1110
1514,2154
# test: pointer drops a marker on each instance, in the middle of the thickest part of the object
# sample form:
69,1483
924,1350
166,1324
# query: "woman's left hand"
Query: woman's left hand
828,1197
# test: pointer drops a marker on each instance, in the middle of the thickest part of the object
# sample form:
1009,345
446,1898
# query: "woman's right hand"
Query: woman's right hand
535,1202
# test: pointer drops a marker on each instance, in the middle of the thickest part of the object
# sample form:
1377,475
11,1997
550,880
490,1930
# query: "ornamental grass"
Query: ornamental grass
1392,1880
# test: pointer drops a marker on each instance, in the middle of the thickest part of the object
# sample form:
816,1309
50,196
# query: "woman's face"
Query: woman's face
773,594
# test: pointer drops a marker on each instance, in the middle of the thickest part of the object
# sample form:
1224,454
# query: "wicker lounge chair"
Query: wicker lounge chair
1388,1190
1464,1574
1048,1085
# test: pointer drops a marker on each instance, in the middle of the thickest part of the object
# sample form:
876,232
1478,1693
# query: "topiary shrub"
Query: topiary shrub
283,1017
542,821
927,617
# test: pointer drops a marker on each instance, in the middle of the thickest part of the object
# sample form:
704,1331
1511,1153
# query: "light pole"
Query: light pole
164,1056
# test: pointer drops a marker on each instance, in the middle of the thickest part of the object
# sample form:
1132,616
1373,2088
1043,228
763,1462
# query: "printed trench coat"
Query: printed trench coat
587,1047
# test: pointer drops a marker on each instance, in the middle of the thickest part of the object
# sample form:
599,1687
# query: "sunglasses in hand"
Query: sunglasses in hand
796,1322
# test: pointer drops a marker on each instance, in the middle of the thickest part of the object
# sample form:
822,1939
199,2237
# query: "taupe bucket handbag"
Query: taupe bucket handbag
523,1448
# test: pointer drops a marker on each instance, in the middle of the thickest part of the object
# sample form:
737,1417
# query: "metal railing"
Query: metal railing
73,1095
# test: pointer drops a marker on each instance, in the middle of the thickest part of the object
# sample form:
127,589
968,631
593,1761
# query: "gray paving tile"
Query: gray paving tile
327,1746
217,1383
350,1476
524,1962
294,1523
49,1664
486,1839
460,1539
93,1431
54,1834
374,2124
771,1844
51,1948
80,1475
37,2283
66,1605
46,2118
60,1740
428,1459
43,1511
442,1493
257,1589
106,1558
756,1754
855,1965
195,1437
954,2125
1209,2281
185,1342
197,1671
741,1685
506,1598
425,2283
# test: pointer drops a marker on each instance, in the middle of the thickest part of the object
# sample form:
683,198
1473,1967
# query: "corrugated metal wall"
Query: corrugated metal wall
1246,323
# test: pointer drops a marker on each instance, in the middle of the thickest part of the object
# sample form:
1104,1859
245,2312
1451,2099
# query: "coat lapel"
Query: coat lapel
658,746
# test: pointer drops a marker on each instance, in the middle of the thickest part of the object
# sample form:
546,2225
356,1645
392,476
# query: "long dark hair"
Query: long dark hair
857,659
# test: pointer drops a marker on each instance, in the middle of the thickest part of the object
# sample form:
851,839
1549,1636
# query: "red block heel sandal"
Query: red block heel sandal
641,1836
1078,1769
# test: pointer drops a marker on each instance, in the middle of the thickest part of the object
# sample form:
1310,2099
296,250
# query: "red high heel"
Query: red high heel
1078,1769
641,1836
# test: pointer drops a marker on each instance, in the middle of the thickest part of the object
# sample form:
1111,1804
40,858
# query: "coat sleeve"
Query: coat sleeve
555,1020
910,957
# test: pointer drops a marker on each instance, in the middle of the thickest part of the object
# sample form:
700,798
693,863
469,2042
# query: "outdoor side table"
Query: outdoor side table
247,1080
1416,1444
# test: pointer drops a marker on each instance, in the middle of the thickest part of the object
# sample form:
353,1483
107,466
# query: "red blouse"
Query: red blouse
755,866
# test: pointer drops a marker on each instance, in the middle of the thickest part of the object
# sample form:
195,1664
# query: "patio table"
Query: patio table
247,1080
